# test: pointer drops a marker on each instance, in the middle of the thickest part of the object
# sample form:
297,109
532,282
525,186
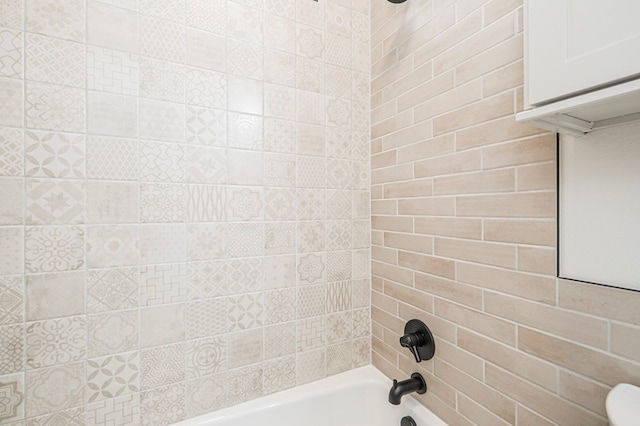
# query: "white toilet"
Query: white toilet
623,405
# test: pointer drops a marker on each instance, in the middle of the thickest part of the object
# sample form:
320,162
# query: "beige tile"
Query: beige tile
408,135
424,92
537,260
429,264
384,207
410,81
476,390
477,251
461,359
415,243
523,365
535,232
450,290
392,223
581,359
449,101
162,325
543,402
438,387
112,202
384,254
409,295
567,324
532,150
500,130
447,164
387,320
55,295
12,206
491,59
414,188
480,182
607,302
402,172
537,177
503,79
478,112
385,351
527,417
383,159
477,413
498,8
533,287
584,392
384,111
388,69
441,328
524,205
393,273
449,227
625,341
429,148
393,124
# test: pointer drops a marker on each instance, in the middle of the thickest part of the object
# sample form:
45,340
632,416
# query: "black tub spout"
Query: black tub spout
415,384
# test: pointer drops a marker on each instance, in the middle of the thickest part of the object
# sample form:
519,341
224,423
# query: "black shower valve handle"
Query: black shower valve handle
412,341
419,340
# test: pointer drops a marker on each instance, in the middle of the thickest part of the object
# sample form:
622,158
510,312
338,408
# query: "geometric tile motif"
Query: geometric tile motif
311,236
245,59
338,143
162,365
279,204
12,396
360,115
11,53
338,265
338,81
11,250
112,158
284,8
56,341
360,146
361,57
360,27
206,241
112,289
279,135
172,10
339,205
72,417
162,39
246,311
361,233
206,164
162,202
246,239
46,395
361,205
162,162
339,235
311,172
56,61
339,296
113,333
279,170
161,80
206,394
11,349
361,179
112,245
361,352
58,19
122,411
163,405
246,131
11,299
312,301
311,365
159,120
59,155
279,67
11,16
279,340
246,204
11,102
11,152
244,23
339,358
244,275
55,201
279,272
338,51
339,174
206,317
205,357
310,75
162,284
206,203
206,279
206,126
311,204
310,42
208,15
339,327
281,305
51,107
311,268
279,374
54,248
280,238
361,322
360,293
361,264
206,88
112,376
112,71
244,384
310,334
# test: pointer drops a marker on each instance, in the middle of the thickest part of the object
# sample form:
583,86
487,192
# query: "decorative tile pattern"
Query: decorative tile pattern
279,170
279,135
12,53
206,88
11,102
207,279
361,352
339,296
206,126
112,376
112,71
245,239
11,348
284,8
55,61
280,305
338,51
162,366
311,204
163,405
124,411
246,131
11,152
12,394
205,357
281,33
208,15
63,20
112,289
279,67
172,10
206,317
44,393
339,112
245,275
338,265
206,203
338,81
310,366
71,417
112,158
310,42
310,75
11,16
245,311
162,202
245,204
206,394
162,39
280,238
52,107
56,341
59,155
162,80
312,301
339,358
206,241
279,340
55,201
11,299
54,248
361,322
162,162
206,164
245,59
279,374
244,384
339,327
112,333
244,23
339,205
11,250
311,268
112,245
310,334
339,235
162,284
279,204
163,243
161,120
310,236
311,172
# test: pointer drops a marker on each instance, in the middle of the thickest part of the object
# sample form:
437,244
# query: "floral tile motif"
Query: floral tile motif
338,82
339,358
281,33
12,395
339,327
339,205
122,411
172,10
339,296
280,305
164,162
284,8
206,88
205,357
162,80
244,23
206,203
162,284
207,279
54,201
279,204
311,365
279,170
311,204
246,204
163,243
56,341
64,20
161,120
206,317
59,155
280,238
245,59
244,275
162,39
206,164
279,135
279,67
310,75
51,107
208,15
162,202
112,333
311,268
361,322
310,42
11,299
44,393
54,248
112,376
279,374
245,239
206,241
311,301
112,71
12,56
279,340
360,146
11,152
163,406
244,384
206,394
310,236
246,311
11,348
112,245
112,158
11,102
206,126
339,235
112,289
359,116
11,250
279,271
246,131
339,112
55,61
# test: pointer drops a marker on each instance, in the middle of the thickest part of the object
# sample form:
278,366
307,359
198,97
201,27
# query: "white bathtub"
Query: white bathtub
354,398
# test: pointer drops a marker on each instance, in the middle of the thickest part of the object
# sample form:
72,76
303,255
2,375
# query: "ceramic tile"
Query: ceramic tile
113,27
124,410
340,174
70,417
112,245
339,235
12,14
12,194
54,248
12,299
245,59
244,384
281,34
246,131
11,348
338,112
245,311
311,301
311,365
162,39
56,155
206,126
279,203
339,358
206,394
112,333
162,284
206,241
280,305
112,158
56,341
112,71
11,250
164,405
162,162
206,50
244,348
279,374
55,201
44,393
310,75
12,53
11,101
207,279
112,376
207,15
339,327
311,204
206,203
244,23
51,107
311,13
163,202
54,295
64,20
206,317
206,164
311,140
279,340
245,239
311,43
284,8
245,167
206,88
161,120
279,67
163,243
311,268
244,275
12,388
310,334
162,80
245,204
11,151
112,202
161,325
112,289
55,61
280,238
172,10
162,365
279,135
206,356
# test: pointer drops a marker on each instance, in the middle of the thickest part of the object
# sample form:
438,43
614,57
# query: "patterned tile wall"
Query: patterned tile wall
185,204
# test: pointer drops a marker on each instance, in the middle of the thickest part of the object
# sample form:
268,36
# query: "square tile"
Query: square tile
56,155
11,250
51,107
246,131
162,284
206,88
245,239
207,15
162,39
206,317
245,167
54,295
162,162
55,201
11,151
206,50
112,202
12,387
164,405
163,202
112,289
244,23
55,61
112,114
11,348
112,333
206,164
206,126
12,56
11,299
206,394
112,27
56,341
162,325
11,16
206,356
112,158
206,241
279,374
161,120
112,245
64,20
162,365
207,279
162,80
112,71
124,410
163,243
54,248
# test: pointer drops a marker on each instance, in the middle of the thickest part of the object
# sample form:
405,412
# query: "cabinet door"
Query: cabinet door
574,46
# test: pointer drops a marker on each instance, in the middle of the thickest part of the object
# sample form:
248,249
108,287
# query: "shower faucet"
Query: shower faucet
415,384
418,338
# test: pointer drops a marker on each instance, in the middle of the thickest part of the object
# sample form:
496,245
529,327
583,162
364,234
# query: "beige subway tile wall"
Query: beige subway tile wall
464,228
184,204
